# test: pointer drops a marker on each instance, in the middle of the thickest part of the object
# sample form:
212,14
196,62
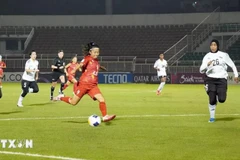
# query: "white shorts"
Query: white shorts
162,74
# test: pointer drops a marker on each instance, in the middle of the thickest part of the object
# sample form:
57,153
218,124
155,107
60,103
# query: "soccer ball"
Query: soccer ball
94,120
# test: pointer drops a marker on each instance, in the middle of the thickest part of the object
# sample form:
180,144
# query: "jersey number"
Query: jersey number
95,73
215,62
24,84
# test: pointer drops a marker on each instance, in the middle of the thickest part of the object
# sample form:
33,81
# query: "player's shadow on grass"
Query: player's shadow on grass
228,119
108,123
80,122
12,112
41,104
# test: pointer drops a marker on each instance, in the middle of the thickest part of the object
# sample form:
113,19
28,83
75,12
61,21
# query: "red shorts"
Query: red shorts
70,77
1,73
83,89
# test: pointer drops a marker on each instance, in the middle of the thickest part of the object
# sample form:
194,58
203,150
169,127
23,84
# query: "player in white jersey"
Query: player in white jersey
214,65
161,65
29,78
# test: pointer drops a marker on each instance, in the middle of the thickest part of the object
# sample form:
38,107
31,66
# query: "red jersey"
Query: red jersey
89,70
2,64
71,68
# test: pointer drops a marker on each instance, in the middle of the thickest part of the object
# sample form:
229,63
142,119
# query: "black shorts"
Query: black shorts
160,77
56,76
215,84
29,84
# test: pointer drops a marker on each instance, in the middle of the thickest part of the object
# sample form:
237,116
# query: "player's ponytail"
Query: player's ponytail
88,47
85,50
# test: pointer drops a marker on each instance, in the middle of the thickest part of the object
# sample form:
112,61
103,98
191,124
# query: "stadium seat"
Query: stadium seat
141,41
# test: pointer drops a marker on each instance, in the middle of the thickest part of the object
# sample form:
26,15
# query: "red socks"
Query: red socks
65,86
102,105
66,99
103,108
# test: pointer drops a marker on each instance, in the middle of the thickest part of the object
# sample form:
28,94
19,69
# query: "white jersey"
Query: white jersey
218,68
161,65
30,64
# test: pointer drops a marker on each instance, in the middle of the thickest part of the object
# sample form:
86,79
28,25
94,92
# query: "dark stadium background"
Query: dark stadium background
91,7
131,35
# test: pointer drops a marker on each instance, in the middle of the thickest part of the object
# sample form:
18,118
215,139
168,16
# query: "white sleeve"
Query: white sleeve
155,64
27,65
37,64
231,64
166,64
204,66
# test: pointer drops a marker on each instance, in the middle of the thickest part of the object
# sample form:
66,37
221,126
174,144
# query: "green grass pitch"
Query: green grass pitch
173,126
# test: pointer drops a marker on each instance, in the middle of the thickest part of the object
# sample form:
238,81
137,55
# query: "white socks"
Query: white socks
160,88
20,100
212,109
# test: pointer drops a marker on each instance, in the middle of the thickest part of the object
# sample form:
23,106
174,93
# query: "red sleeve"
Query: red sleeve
85,61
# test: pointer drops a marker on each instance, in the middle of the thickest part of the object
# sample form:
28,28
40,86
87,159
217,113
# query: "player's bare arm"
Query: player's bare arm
36,78
66,67
54,67
209,63
79,67
236,79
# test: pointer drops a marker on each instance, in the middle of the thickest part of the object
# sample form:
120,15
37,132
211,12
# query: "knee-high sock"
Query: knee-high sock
66,99
103,108
160,88
61,88
212,109
20,99
52,90
23,94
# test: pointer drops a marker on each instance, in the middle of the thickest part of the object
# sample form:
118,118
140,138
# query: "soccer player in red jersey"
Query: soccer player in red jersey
88,83
70,70
2,66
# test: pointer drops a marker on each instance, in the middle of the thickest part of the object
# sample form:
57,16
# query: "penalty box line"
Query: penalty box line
120,116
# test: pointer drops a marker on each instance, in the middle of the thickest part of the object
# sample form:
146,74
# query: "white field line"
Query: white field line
39,155
120,116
